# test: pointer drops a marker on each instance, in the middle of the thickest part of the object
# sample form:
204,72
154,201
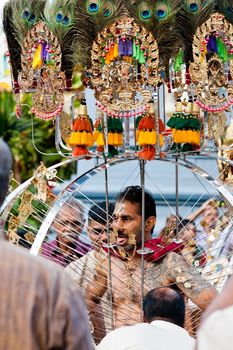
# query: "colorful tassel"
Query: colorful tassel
82,136
37,59
185,130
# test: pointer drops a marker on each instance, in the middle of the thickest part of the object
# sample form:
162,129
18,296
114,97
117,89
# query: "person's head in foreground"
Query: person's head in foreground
40,306
127,217
164,304
164,313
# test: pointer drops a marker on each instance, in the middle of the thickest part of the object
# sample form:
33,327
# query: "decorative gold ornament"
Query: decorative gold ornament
117,54
41,72
225,144
25,208
65,126
216,124
213,88
132,239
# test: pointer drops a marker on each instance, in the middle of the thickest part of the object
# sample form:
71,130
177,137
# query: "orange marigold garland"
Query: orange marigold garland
146,134
82,136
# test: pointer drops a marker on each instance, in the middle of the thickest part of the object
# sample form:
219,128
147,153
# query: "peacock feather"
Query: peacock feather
226,8
13,45
159,18
25,14
59,16
192,14
92,16
19,16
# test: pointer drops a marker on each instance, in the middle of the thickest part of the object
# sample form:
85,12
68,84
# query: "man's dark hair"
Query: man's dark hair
133,194
98,212
164,304
183,223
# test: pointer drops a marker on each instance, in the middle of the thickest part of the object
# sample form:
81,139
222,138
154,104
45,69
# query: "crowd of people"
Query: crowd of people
123,289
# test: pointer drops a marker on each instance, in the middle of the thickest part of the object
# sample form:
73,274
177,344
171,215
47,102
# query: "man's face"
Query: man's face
67,225
188,233
97,233
127,220
210,216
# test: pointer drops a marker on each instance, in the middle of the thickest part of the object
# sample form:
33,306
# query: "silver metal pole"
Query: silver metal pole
177,193
109,251
126,134
155,101
142,178
105,133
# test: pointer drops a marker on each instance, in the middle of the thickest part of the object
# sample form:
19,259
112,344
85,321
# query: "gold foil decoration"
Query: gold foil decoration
118,83
25,208
65,126
45,79
40,180
213,89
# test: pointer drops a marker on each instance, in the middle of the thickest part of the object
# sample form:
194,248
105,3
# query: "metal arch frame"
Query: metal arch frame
76,183
27,183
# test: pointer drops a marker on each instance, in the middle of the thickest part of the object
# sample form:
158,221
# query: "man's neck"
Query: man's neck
163,319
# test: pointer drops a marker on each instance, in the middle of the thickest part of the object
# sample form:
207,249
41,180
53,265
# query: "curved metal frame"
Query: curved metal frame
76,183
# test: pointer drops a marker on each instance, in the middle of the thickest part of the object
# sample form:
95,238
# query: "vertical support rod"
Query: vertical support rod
161,102
126,134
109,253
142,178
177,193
155,101
105,133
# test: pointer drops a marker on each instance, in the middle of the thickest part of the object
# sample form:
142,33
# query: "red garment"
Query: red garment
160,249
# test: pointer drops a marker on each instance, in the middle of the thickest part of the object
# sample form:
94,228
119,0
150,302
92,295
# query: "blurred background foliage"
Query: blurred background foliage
18,134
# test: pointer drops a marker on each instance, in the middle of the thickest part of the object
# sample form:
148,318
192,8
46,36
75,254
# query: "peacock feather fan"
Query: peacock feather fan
92,16
59,16
19,16
159,18
192,14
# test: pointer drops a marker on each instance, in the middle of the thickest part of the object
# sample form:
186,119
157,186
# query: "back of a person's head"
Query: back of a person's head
134,194
5,167
98,212
164,304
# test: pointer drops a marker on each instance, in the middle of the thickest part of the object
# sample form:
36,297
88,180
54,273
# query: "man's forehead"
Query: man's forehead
123,207
95,224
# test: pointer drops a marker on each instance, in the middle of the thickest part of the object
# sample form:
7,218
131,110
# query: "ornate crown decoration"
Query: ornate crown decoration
125,61
41,72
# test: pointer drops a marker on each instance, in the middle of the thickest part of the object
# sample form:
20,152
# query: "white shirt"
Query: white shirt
216,332
158,335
